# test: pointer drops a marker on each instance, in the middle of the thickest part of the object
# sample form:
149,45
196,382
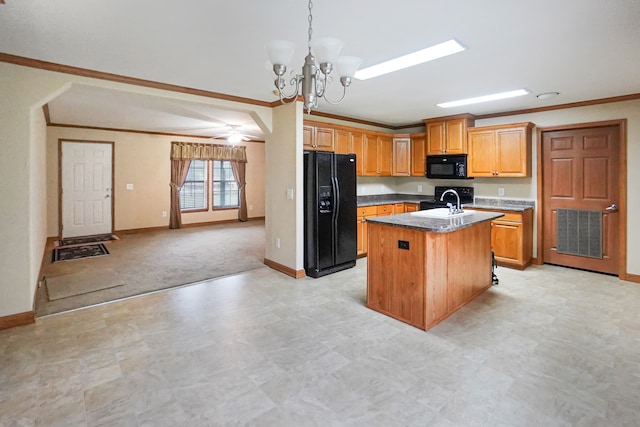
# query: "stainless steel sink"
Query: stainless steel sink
441,213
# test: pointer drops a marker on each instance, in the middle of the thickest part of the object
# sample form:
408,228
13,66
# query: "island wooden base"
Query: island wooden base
434,277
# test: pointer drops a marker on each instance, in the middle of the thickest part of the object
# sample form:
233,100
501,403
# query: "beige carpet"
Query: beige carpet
83,282
156,260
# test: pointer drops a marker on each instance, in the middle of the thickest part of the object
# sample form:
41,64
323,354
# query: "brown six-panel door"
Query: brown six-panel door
581,168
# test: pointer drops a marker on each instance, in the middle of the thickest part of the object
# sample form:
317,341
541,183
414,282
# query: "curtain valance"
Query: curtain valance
196,151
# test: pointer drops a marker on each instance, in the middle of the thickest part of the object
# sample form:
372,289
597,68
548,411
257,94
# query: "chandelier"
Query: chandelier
313,81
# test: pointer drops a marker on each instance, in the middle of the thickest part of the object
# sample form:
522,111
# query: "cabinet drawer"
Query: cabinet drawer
367,210
510,216
384,209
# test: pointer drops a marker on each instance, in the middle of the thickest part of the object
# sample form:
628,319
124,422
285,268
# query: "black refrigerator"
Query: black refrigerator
330,228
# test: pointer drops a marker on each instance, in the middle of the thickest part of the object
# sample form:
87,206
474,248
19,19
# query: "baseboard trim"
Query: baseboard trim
195,224
296,274
631,278
18,319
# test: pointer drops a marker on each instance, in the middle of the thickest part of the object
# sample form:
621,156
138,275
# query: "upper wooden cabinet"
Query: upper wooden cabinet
418,155
401,156
378,155
357,145
447,136
500,151
343,143
317,137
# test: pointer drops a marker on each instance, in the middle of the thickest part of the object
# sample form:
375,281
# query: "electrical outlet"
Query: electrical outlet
290,193
164,214
500,191
129,186
419,188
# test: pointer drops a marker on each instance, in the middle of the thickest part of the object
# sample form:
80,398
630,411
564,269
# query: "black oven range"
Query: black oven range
465,193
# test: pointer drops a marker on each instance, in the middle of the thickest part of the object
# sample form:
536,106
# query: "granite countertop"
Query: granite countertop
501,204
387,199
435,225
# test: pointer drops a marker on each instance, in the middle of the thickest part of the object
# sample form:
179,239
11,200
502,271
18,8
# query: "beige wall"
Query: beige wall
143,160
25,169
284,217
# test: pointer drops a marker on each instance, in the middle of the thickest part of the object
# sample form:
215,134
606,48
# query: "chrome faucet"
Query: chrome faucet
452,210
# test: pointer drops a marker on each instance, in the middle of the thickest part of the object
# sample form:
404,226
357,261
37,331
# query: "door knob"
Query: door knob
612,208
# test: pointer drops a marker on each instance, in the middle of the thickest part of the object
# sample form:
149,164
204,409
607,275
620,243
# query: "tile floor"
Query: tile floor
547,347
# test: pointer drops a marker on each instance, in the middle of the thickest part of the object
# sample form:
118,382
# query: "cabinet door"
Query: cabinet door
513,158
410,207
357,145
482,153
362,236
308,137
343,142
385,155
398,208
435,138
506,241
324,139
370,165
418,156
456,136
401,157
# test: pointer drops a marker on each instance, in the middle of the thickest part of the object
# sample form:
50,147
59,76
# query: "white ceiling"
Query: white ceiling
584,49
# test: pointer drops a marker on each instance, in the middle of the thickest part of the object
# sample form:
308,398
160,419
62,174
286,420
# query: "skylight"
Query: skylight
486,98
425,55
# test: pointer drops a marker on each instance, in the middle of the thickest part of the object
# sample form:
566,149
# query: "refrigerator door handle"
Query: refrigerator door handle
336,198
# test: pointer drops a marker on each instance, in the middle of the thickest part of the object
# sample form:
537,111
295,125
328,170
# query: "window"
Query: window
193,194
225,187
225,194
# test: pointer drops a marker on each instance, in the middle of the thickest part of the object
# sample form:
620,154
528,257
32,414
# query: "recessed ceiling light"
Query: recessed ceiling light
425,55
547,95
486,98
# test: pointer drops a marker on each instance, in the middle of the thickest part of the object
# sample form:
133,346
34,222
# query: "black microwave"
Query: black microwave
447,166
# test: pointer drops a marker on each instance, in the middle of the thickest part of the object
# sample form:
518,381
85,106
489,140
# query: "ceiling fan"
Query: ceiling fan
234,135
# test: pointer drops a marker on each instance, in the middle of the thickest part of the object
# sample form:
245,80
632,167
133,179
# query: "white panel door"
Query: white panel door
86,188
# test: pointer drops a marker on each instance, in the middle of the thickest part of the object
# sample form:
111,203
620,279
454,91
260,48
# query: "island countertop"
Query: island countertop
435,225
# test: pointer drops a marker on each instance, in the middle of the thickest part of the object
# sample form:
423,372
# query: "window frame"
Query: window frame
210,207
213,181
206,189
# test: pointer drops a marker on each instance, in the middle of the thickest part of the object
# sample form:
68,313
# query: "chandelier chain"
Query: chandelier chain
310,22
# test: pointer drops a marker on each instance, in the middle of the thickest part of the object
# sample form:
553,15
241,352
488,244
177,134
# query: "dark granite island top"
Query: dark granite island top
435,225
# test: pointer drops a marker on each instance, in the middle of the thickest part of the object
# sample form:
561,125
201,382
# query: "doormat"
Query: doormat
98,238
78,252
80,283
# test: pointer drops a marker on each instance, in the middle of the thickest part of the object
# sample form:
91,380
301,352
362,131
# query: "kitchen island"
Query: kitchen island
420,269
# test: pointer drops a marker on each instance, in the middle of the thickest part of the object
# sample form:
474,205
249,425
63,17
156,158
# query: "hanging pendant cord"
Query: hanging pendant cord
310,29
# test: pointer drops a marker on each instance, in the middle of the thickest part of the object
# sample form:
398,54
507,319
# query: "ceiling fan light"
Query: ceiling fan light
234,138
326,49
280,52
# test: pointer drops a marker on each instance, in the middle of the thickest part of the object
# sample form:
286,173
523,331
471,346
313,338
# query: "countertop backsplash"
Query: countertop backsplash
500,202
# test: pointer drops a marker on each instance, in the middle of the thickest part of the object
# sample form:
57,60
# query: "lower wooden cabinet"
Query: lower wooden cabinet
512,238
411,207
365,212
